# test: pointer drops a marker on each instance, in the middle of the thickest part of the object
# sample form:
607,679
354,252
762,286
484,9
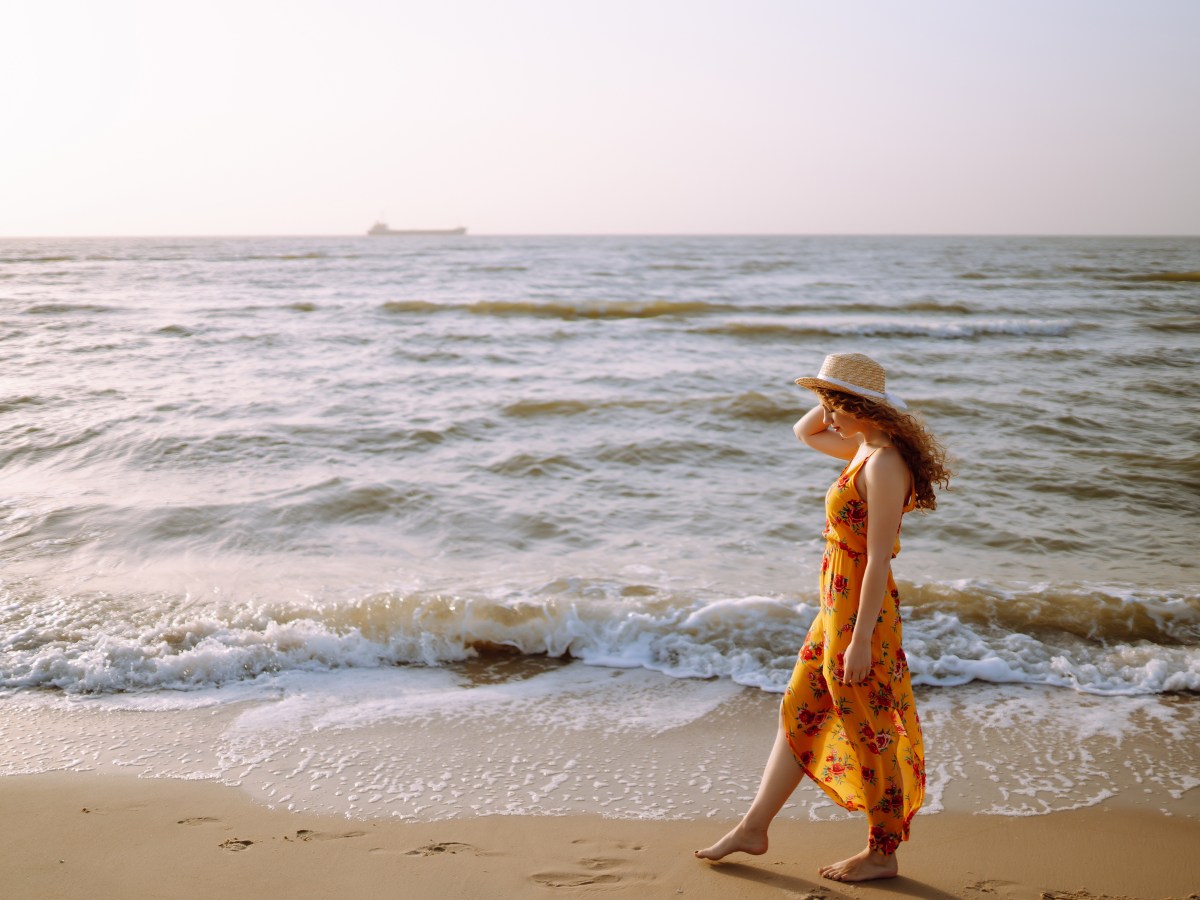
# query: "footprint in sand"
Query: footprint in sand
815,894
996,887
306,835
608,869
573,880
199,820
600,862
233,844
612,845
442,847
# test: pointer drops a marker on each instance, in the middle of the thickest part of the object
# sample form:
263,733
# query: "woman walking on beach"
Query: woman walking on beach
848,720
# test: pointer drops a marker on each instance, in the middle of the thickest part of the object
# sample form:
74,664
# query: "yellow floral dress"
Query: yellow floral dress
860,742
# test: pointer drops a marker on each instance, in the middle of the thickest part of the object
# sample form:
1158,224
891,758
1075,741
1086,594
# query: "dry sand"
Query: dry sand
67,835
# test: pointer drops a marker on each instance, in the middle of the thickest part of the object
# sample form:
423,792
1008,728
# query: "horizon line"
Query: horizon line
648,234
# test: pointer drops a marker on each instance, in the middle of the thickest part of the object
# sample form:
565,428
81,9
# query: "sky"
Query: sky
126,117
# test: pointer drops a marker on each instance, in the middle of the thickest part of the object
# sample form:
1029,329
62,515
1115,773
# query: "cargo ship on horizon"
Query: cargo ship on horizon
381,228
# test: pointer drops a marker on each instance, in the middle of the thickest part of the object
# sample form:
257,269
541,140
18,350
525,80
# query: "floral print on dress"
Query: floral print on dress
853,516
860,742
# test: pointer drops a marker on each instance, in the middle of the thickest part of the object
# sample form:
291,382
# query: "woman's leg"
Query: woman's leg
780,778
871,729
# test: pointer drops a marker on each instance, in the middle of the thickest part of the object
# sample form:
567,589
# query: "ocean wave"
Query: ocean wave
1166,276
756,406
943,407
891,308
189,450
648,309
610,310
897,328
287,513
12,260
767,266
335,500
1186,390
536,408
1086,638
285,256
1180,325
1150,359
38,445
534,465
746,405
938,306
667,452
46,309
8,404
415,306
616,309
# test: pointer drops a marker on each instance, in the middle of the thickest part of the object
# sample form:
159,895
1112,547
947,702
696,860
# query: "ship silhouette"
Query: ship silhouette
381,228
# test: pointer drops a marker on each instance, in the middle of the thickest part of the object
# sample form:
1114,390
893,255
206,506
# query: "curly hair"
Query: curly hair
922,453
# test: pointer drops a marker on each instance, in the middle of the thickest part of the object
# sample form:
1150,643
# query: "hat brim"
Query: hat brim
874,397
811,383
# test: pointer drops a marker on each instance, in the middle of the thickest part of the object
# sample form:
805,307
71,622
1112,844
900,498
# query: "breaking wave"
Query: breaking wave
1086,638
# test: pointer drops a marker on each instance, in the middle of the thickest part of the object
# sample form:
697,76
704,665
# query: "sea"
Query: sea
398,495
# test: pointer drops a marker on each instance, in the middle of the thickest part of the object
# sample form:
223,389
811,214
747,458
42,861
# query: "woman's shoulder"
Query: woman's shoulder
887,460
886,468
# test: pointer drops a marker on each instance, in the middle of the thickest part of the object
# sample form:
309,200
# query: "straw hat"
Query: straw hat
853,373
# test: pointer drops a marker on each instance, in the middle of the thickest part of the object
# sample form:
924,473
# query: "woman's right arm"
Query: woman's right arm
812,431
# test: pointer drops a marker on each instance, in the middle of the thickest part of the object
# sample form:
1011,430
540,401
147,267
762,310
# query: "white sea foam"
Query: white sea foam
424,744
749,640
576,698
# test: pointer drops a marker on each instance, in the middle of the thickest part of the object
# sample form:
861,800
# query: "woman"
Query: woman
847,719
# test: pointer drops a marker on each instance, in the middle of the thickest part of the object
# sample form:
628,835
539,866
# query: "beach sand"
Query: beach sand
67,835
1035,792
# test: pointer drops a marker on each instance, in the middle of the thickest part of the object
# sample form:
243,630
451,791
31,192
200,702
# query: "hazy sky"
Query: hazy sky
600,116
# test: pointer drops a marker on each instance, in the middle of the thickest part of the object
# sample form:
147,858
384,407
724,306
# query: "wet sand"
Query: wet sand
68,835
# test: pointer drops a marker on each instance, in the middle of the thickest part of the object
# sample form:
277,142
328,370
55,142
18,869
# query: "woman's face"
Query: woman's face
843,422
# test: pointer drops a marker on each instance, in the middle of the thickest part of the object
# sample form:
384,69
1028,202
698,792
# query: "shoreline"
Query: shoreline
77,834
506,778
527,737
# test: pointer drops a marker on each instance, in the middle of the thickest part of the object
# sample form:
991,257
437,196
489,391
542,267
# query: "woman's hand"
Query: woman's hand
811,429
857,663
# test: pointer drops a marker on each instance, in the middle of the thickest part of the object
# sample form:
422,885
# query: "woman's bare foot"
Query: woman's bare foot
864,866
740,840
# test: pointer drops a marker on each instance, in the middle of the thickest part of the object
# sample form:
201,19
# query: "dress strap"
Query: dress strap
868,456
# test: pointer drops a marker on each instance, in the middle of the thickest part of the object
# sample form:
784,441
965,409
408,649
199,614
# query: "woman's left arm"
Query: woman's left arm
885,489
